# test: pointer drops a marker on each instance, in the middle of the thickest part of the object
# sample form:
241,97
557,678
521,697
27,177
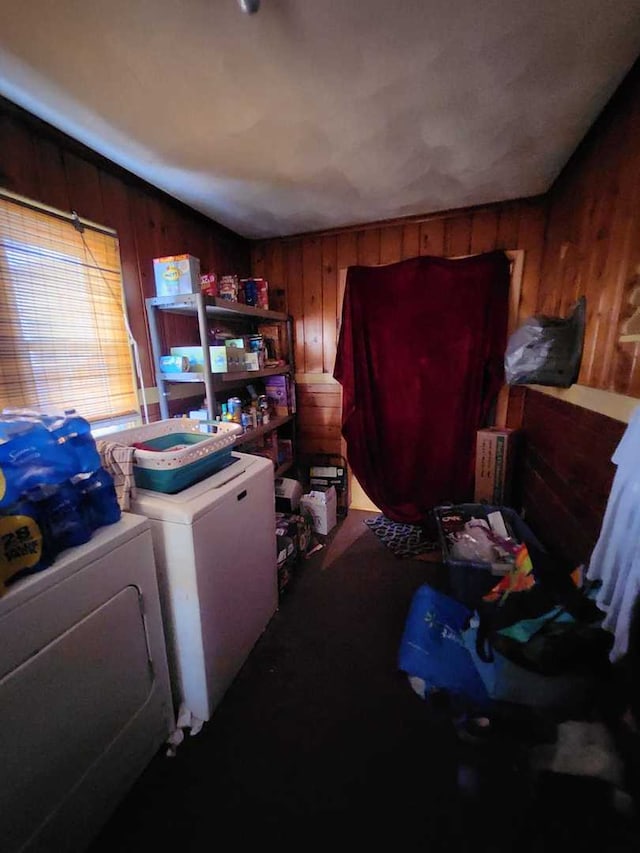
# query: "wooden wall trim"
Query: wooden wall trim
617,406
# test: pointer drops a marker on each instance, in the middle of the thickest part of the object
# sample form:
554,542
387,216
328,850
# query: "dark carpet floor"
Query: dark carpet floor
321,741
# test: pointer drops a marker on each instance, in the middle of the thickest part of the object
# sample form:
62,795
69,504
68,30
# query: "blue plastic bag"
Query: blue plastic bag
433,649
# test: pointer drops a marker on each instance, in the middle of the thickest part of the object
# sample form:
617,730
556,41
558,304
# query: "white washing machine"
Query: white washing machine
215,551
85,699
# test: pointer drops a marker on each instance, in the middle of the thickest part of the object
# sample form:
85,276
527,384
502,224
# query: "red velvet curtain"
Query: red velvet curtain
420,360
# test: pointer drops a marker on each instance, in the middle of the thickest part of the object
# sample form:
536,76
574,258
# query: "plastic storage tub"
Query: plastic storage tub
177,453
470,579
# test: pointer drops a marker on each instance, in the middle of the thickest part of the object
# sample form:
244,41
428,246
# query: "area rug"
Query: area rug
403,540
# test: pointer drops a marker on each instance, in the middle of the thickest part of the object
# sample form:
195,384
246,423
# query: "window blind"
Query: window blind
63,336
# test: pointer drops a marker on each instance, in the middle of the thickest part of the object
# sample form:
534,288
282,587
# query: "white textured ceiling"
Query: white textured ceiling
319,113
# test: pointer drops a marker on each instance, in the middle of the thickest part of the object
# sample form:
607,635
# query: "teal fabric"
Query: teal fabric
526,628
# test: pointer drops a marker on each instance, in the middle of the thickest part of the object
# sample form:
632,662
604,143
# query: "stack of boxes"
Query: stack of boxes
236,354
221,360
329,470
176,274
294,539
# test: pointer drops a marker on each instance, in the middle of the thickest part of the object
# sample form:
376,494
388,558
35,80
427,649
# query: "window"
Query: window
63,334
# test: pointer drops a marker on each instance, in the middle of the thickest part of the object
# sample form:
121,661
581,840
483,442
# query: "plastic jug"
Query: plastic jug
29,457
63,522
74,434
98,498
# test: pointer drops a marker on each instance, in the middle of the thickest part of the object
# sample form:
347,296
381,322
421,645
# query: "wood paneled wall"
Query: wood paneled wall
43,164
591,249
566,473
592,246
308,269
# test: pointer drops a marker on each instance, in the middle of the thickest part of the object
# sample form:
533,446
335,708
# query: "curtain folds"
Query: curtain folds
420,359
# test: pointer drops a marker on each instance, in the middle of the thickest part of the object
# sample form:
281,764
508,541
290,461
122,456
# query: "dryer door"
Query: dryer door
62,707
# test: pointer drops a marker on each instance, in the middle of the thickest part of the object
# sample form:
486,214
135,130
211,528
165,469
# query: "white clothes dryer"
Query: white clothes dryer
85,700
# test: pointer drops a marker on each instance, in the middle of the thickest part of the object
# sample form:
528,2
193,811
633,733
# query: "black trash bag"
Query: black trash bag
547,350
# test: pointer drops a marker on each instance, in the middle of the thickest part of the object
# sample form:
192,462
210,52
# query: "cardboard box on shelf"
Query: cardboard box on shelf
275,337
209,284
256,292
279,389
202,415
321,504
175,274
199,414
495,453
262,286
174,364
252,361
218,356
228,287
235,358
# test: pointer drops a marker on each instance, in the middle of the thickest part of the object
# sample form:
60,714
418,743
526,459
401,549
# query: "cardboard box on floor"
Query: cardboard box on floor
328,469
321,504
495,453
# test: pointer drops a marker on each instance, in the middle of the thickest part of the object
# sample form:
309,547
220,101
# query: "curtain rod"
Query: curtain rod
72,218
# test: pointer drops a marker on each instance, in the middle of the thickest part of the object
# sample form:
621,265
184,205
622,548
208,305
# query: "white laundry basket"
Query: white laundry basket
173,454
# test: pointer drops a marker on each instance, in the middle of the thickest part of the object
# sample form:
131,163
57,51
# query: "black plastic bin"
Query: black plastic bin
469,580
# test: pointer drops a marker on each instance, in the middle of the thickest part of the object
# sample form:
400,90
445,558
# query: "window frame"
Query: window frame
90,272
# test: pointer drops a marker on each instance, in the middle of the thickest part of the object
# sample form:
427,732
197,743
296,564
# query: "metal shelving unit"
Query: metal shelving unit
252,434
204,308
223,381
211,306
